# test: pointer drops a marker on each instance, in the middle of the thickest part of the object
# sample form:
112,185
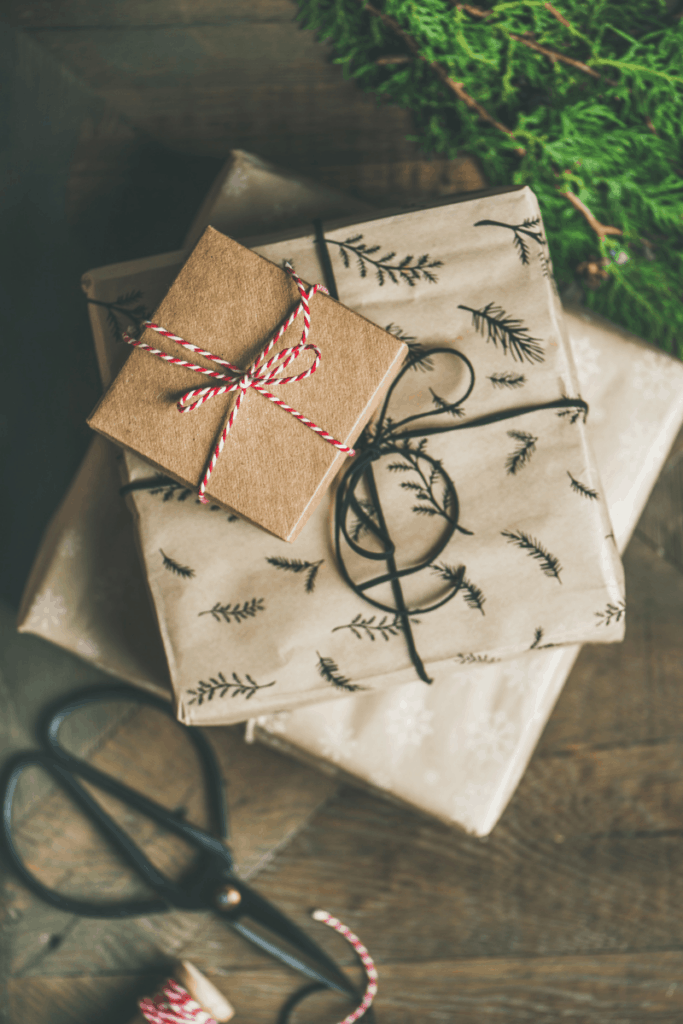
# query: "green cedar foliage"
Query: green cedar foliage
615,141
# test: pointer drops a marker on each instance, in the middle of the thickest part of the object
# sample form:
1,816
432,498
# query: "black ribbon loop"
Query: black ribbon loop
389,438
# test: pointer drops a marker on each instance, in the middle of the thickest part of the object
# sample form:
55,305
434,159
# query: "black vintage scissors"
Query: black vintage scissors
210,885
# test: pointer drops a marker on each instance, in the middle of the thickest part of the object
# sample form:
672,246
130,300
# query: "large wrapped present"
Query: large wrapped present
636,402
470,522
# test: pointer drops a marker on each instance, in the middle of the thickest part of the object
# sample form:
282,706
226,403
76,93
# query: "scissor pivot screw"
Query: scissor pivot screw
228,898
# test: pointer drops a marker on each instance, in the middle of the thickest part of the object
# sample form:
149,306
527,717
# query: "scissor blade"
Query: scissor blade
285,957
266,915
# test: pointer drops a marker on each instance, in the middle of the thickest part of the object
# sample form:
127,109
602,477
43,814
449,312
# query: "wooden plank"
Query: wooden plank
628,694
270,88
65,14
614,988
69,854
661,524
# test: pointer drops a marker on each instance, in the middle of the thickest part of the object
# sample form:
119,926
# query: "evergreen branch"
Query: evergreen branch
473,595
444,406
497,326
236,613
573,415
525,448
370,629
601,230
222,687
612,613
456,87
508,380
449,574
329,670
550,565
518,233
425,486
408,269
297,565
170,489
127,305
359,526
580,488
175,567
537,645
418,357
455,578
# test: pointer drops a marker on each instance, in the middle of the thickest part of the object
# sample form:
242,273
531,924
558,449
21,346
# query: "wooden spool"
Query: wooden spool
201,990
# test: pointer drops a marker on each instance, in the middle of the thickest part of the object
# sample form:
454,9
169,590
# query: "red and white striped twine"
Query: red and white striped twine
261,372
174,1005
368,963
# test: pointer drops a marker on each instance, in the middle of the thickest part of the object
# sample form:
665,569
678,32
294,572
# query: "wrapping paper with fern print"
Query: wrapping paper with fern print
252,625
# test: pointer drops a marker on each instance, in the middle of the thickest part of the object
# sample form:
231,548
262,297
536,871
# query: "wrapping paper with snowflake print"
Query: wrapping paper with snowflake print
482,443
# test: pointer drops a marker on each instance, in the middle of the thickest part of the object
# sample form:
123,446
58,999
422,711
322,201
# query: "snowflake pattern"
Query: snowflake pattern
276,723
409,722
70,544
337,741
464,801
490,736
586,357
47,612
655,382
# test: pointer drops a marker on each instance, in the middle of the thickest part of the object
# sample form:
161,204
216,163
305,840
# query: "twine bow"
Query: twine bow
263,371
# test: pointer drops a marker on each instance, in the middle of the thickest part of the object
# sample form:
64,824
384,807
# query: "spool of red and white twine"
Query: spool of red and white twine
173,1004
263,371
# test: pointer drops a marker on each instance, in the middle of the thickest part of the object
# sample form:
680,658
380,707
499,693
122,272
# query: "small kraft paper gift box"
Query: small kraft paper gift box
237,331
471,521
87,591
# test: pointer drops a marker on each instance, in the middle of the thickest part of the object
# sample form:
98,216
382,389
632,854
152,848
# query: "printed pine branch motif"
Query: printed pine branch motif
510,333
455,578
409,269
582,489
124,311
529,229
509,379
537,645
176,568
573,415
475,659
429,491
418,357
171,490
359,526
222,687
236,612
612,613
299,565
526,446
443,406
329,670
549,564
373,627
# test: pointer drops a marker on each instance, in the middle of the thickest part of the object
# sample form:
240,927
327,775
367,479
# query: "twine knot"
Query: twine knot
263,371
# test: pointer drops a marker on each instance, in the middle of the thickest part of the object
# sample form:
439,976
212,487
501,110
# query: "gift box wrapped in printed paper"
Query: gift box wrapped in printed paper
471,519
83,588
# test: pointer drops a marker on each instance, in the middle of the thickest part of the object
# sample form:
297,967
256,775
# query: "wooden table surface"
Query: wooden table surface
119,115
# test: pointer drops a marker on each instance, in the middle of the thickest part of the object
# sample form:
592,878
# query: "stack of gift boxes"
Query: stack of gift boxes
407,614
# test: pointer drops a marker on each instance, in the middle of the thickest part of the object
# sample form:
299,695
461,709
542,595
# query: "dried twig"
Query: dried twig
553,55
601,230
441,73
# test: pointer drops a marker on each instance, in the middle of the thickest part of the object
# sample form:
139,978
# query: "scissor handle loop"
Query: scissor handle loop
64,767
